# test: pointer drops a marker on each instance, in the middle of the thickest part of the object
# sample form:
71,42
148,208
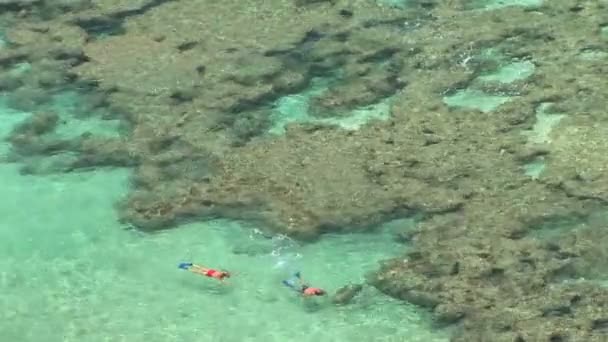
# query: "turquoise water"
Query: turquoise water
496,4
71,272
76,274
473,97
293,109
541,134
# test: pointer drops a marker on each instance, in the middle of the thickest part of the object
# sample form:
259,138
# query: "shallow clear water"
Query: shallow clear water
473,97
295,109
71,272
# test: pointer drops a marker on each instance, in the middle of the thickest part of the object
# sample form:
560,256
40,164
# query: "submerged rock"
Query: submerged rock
346,293
252,249
38,124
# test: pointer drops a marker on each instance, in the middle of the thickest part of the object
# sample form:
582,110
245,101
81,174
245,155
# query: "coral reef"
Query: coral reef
197,94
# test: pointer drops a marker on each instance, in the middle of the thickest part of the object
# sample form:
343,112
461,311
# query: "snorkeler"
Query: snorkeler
207,272
296,283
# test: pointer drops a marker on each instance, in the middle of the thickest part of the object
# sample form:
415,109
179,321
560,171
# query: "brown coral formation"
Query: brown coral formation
577,159
198,94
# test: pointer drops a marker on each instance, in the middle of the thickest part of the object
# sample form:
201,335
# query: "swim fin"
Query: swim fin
292,281
185,265
290,284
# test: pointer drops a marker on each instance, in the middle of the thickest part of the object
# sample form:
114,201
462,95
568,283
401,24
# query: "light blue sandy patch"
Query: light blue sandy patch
20,69
295,109
509,70
496,4
510,73
545,122
534,168
475,99
394,3
557,227
541,134
593,54
359,117
70,272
